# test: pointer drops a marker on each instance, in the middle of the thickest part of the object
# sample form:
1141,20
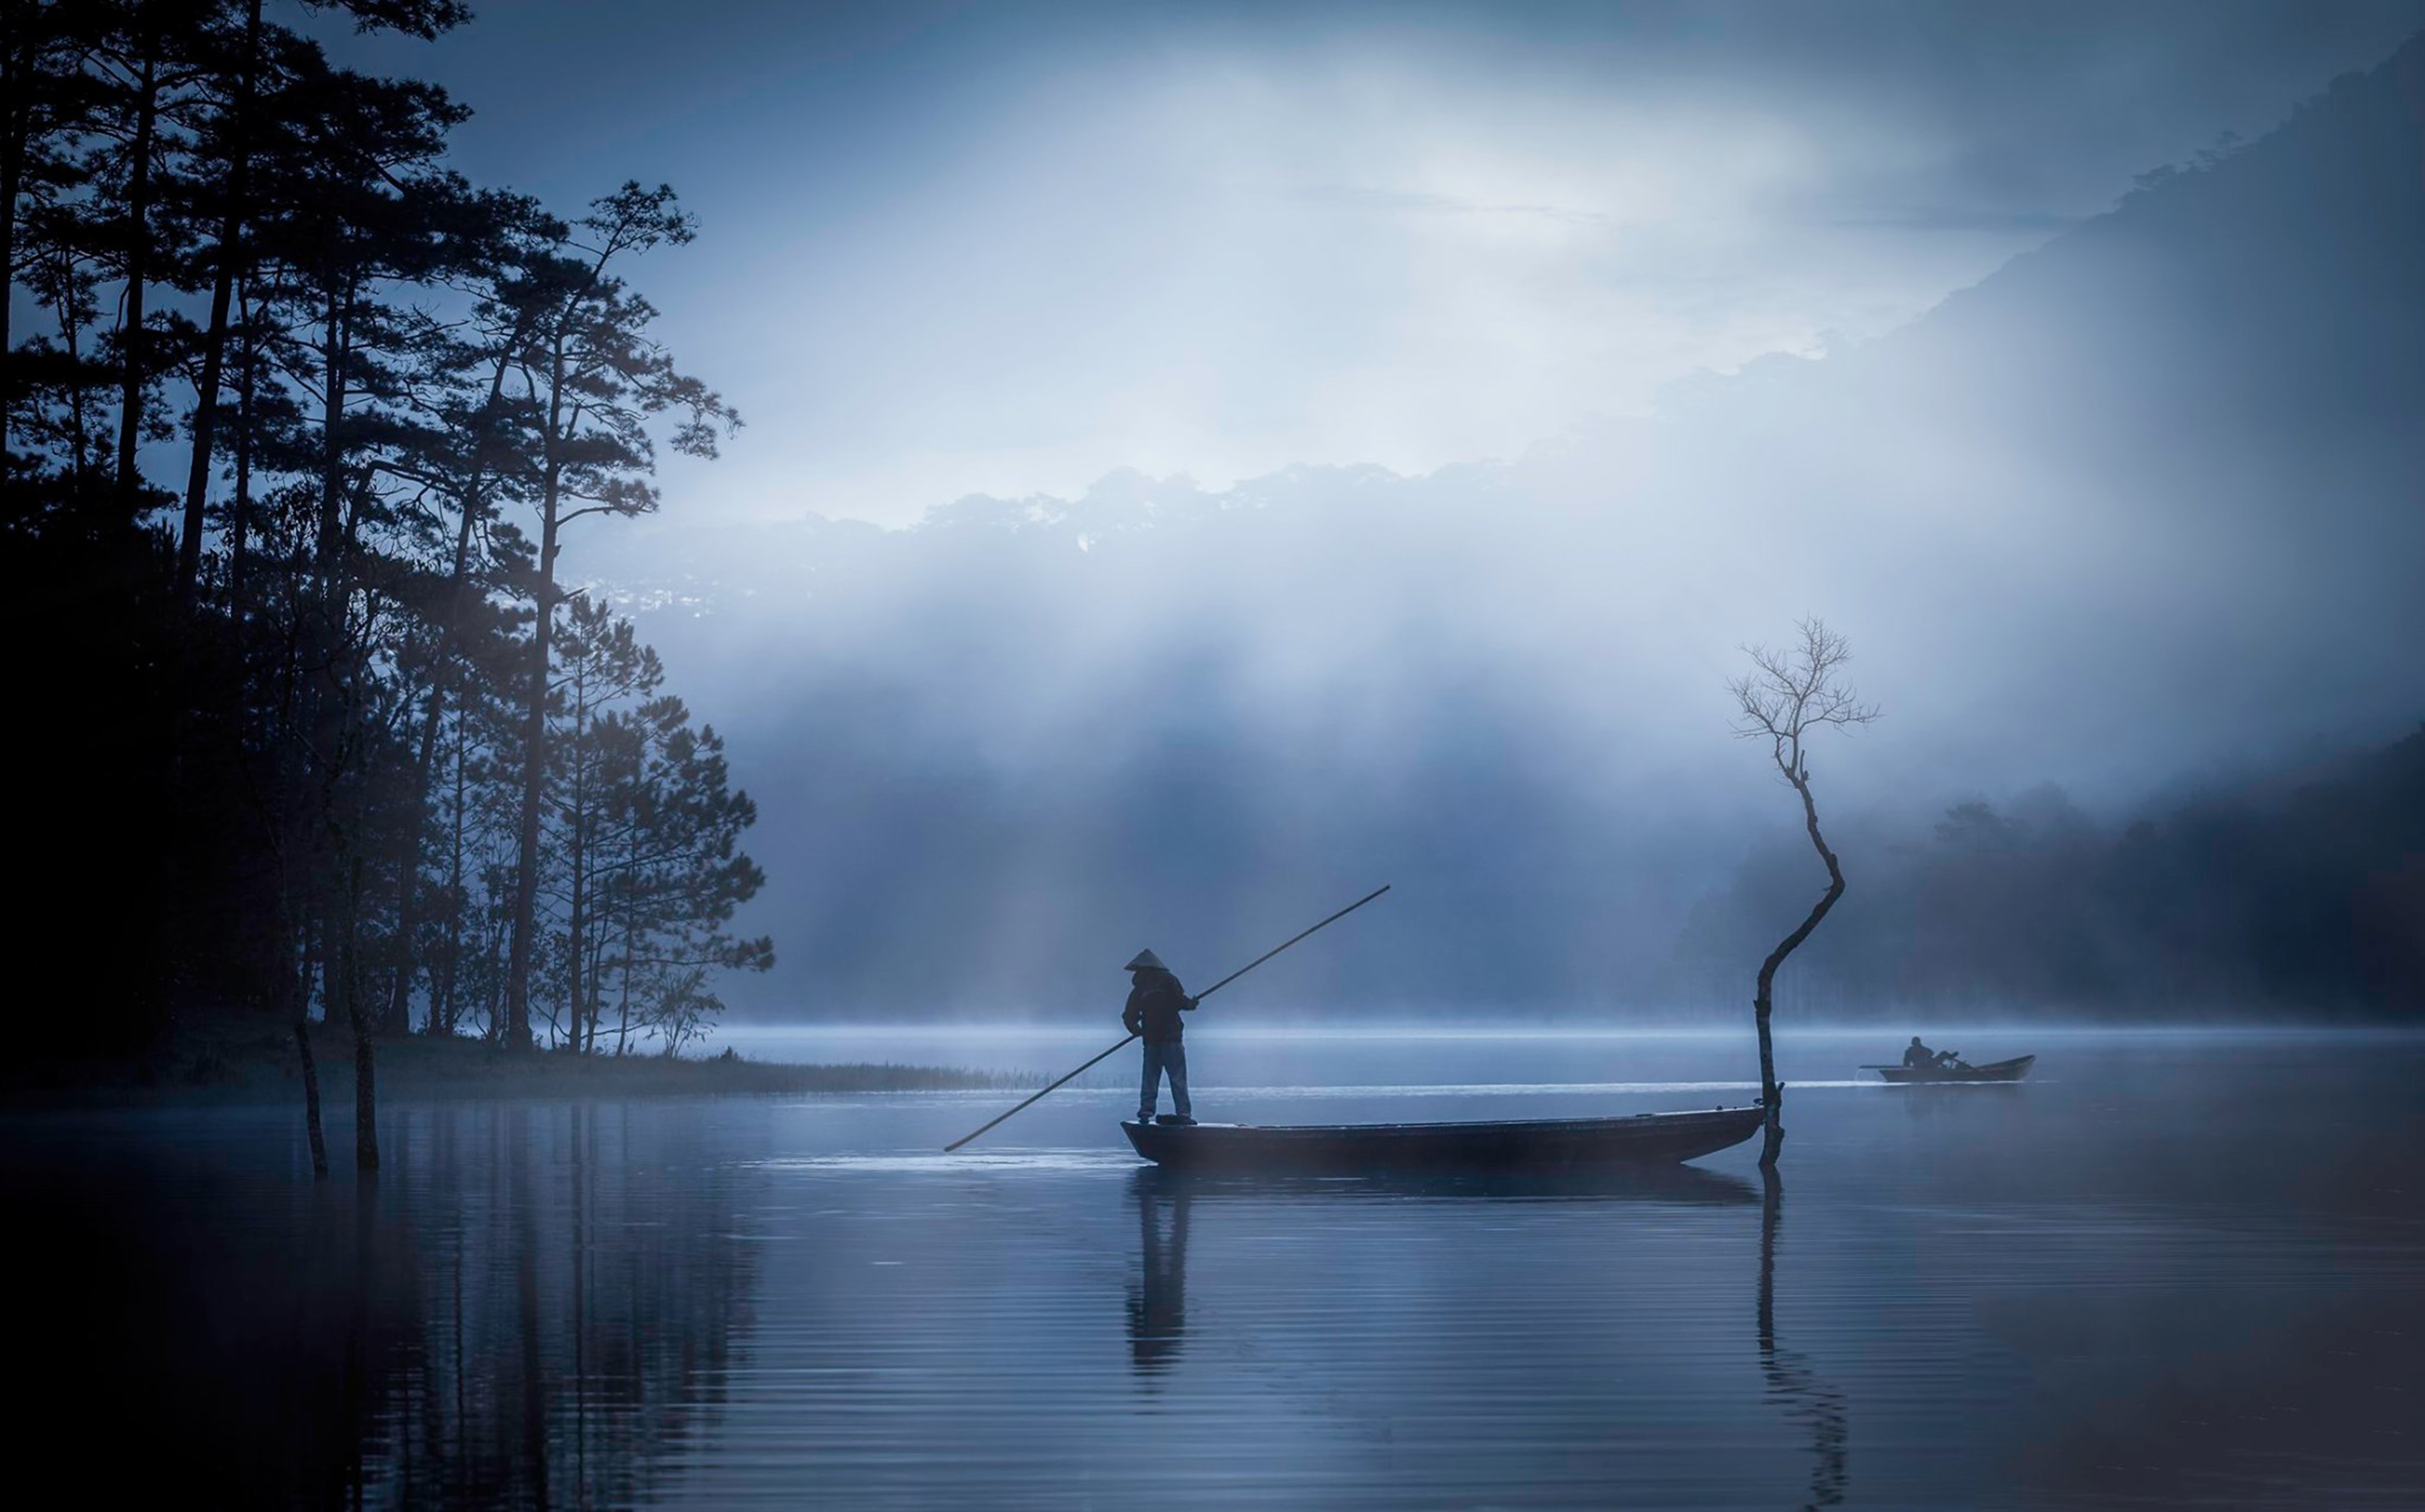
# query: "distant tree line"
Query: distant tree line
295,423
2296,892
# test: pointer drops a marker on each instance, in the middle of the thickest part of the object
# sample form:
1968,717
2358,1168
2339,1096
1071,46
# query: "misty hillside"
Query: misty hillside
2076,522
2302,887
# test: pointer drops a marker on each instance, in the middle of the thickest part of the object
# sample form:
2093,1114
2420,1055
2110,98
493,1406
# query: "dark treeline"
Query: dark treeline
2298,890
297,420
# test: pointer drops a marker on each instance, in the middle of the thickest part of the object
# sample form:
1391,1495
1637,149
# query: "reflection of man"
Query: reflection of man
1158,1310
1155,1002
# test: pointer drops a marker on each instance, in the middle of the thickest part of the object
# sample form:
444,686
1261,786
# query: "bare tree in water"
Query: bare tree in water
1788,696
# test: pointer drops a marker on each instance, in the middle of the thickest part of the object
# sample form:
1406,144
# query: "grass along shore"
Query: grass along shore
255,1060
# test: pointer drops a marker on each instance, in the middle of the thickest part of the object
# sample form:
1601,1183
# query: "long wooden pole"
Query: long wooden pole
1200,997
1040,1096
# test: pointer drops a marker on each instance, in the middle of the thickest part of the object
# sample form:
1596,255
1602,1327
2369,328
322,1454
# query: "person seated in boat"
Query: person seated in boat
1920,1057
1155,1002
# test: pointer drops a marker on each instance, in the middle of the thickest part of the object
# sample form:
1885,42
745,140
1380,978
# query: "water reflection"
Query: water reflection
520,1311
1158,1290
2121,1283
1929,1102
1684,1185
1793,1384
1157,1287
571,1312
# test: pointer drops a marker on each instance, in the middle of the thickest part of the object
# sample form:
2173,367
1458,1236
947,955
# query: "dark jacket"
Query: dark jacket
1154,1006
1919,1056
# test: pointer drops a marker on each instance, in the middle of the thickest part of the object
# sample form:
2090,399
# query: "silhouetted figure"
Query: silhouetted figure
1920,1057
1155,1002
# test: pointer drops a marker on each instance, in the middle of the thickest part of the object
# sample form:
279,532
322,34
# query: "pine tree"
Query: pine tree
596,382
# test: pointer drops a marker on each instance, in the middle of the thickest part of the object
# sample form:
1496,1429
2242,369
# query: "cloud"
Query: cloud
2142,500
1397,200
1958,218
950,252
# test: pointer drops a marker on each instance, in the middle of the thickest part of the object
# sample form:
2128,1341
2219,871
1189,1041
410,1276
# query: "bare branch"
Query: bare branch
1791,693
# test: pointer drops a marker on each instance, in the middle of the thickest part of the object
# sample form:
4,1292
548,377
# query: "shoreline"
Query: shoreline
255,1064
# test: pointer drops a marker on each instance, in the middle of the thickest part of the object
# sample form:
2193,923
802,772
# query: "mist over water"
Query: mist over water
2134,517
2108,1282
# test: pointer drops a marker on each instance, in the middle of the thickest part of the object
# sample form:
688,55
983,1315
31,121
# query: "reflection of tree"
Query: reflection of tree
578,1317
1792,1383
554,1327
531,1306
1158,1299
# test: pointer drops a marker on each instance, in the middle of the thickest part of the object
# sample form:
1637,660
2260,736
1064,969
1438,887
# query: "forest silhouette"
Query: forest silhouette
292,447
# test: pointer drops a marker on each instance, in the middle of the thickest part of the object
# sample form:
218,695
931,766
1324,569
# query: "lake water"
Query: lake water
2172,1270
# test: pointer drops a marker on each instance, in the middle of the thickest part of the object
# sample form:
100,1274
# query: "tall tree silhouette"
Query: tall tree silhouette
135,65
592,382
44,96
682,873
602,666
475,465
1786,698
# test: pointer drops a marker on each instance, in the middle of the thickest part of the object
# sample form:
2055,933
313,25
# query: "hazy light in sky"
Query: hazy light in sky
1008,251
1013,253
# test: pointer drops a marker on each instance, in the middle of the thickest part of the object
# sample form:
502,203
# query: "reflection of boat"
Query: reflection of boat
1528,1143
2002,1071
1157,1293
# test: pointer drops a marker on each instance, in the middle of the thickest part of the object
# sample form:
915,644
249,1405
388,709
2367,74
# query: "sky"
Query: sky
1012,249
1306,422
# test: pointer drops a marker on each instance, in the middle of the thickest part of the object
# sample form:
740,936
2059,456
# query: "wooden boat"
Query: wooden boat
1673,1185
2002,1071
1529,1143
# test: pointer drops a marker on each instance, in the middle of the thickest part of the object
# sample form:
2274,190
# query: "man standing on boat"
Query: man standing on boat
1155,1002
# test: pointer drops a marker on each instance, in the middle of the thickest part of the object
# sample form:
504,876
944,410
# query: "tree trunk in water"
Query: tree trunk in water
312,1101
1772,1092
1772,1095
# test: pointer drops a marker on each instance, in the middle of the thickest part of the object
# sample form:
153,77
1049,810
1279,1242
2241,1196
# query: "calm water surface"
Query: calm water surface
2173,1270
